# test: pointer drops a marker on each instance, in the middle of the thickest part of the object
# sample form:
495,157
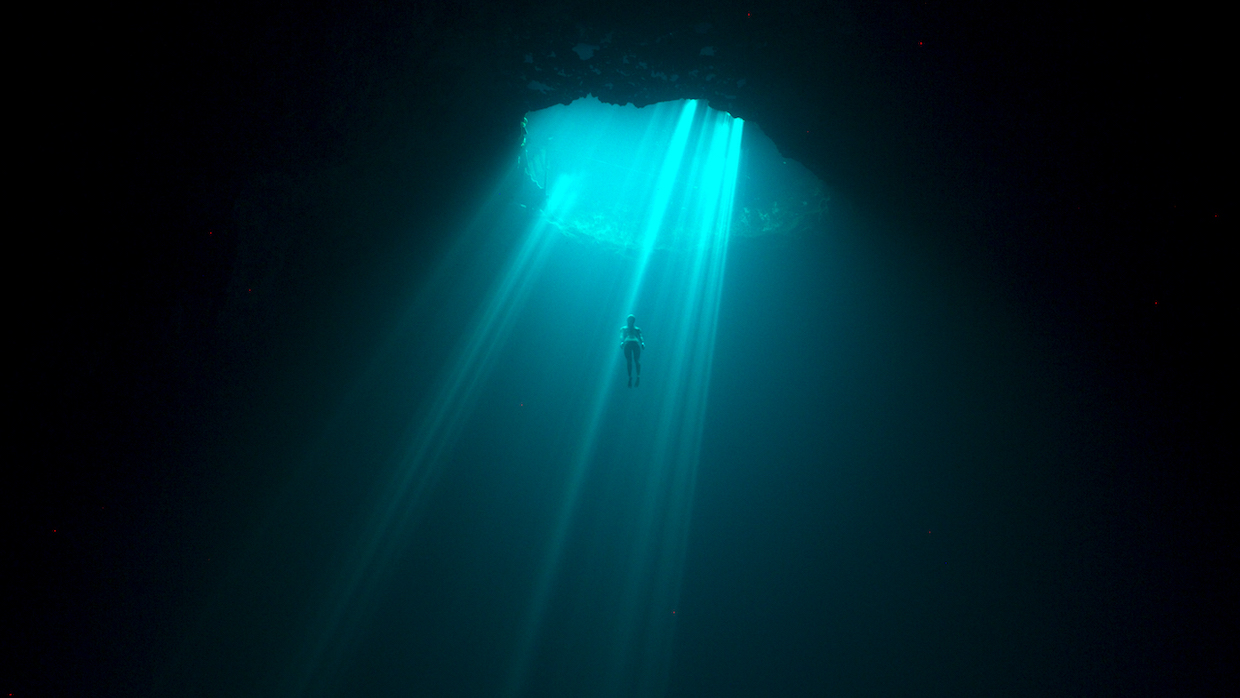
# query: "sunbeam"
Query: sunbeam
429,439
692,215
651,193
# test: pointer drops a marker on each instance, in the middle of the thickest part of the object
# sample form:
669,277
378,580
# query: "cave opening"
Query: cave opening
599,168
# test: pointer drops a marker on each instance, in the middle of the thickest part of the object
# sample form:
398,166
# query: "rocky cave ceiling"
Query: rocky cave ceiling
766,70
789,72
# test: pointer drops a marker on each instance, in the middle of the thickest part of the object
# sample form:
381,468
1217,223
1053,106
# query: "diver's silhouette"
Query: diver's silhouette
631,340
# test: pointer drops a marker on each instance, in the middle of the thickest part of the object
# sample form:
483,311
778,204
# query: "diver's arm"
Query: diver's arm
640,340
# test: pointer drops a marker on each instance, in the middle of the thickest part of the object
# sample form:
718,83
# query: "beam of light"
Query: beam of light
657,211
696,215
645,641
672,192
428,442
651,206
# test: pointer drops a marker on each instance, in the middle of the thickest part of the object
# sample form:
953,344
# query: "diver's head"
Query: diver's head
631,320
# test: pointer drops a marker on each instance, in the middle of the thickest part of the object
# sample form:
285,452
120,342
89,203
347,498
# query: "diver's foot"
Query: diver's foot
639,381
630,381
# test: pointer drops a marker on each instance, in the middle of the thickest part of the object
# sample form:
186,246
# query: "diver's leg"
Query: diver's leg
628,360
637,359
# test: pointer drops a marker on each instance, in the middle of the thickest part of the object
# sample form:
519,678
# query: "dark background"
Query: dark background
213,203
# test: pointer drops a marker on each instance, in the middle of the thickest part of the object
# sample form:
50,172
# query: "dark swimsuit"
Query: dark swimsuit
632,350
632,346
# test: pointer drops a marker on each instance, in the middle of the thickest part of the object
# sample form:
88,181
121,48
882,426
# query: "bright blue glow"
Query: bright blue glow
652,192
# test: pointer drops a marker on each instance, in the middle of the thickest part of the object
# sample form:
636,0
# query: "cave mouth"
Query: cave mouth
654,177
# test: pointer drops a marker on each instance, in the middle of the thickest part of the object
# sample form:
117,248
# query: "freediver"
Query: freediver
631,340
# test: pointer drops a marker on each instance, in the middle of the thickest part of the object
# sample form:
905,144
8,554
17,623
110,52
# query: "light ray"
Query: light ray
401,499
641,644
680,208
